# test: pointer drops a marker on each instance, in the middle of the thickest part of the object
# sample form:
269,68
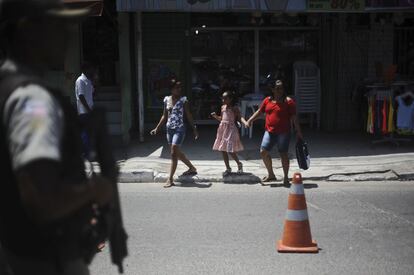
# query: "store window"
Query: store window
220,59
280,49
244,52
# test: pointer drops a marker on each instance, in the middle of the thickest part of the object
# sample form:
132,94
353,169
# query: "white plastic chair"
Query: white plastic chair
306,79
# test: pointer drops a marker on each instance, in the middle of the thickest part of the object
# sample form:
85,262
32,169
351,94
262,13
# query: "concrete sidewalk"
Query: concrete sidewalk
334,157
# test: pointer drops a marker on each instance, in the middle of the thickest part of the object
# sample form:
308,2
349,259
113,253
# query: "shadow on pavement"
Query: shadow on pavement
273,185
306,185
191,184
241,178
310,185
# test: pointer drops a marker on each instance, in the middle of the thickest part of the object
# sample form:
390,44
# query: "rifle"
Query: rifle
109,216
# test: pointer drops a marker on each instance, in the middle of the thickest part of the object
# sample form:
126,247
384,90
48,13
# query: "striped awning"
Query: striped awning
211,5
95,6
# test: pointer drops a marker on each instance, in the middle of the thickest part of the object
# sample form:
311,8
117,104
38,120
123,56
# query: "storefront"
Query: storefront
240,45
226,55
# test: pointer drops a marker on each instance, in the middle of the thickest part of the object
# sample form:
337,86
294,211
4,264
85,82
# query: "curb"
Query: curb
149,175
233,178
133,176
407,177
369,176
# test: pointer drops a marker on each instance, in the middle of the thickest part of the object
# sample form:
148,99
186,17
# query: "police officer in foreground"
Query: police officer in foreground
45,197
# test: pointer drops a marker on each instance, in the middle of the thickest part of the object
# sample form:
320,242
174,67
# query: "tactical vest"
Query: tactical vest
61,240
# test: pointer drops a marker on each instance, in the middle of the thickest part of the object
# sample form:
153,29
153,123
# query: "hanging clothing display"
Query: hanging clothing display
387,115
381,113
383,118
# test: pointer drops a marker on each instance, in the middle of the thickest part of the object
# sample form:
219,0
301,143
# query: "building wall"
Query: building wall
329,45
381,45
349,51
353,54
164,38
359,49
125,63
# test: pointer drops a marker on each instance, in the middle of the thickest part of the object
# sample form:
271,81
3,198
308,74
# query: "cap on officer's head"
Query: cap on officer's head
15,9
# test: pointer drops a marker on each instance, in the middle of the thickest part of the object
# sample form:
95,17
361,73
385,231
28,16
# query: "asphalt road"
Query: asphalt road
361,228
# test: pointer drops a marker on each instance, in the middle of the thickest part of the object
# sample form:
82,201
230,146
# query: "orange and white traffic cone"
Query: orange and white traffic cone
297,234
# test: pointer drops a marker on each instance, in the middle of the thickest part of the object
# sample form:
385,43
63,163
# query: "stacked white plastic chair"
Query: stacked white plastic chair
306,79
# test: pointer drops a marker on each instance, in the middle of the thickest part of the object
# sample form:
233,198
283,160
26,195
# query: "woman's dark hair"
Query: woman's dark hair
278,83
87,66
174,82
232,96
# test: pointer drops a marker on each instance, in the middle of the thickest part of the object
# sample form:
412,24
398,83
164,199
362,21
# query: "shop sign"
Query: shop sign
390,3
336,5
406,3
209,5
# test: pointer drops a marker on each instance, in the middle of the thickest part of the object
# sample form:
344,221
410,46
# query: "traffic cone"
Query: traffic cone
297,234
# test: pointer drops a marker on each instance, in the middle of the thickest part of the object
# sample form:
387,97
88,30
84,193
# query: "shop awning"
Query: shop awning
262,5
211,5
389,5
95,6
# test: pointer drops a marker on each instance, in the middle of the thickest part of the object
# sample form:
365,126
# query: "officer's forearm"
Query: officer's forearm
46,197
45,207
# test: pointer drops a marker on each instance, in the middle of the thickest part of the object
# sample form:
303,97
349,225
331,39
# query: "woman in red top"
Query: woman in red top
280,113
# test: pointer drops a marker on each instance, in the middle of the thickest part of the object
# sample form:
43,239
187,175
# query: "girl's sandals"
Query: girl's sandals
239,167
227,172
268,179
190,172
169,183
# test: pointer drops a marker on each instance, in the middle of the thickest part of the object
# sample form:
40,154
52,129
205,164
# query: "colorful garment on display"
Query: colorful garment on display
405,115
370,115
391,117
380,118
384,126
384,119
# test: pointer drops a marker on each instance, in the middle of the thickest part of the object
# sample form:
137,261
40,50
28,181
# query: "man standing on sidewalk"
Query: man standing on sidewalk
45,199
84,100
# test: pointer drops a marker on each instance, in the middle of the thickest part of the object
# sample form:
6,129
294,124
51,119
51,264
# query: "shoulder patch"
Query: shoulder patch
36,108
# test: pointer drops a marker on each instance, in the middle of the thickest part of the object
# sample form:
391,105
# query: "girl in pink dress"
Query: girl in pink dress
228,138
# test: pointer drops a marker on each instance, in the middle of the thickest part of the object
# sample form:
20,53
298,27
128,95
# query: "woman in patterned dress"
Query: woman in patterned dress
175,106
228,138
